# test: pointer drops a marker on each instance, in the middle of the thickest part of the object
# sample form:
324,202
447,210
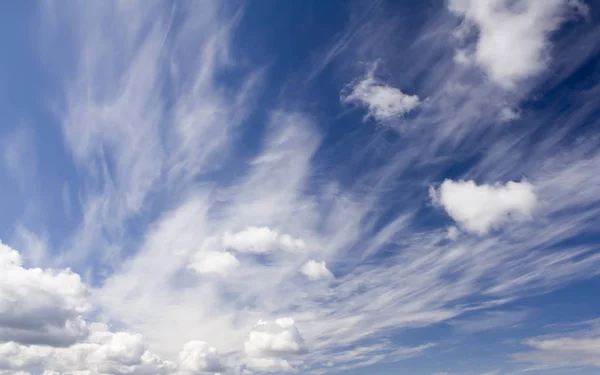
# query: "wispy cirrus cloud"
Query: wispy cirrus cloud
185,216
574,349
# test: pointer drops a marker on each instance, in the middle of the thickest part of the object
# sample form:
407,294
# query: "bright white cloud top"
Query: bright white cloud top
192,188
261,240
480,208
315,270
40,306
513,36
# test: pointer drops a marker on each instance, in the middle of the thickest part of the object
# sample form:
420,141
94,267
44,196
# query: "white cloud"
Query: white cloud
40,306
218,262
197,357
563,352
269,342
261,240
270,365
507,114
512,42
452,233
314,270
383,102
103,352
490,320
424,280
480,208
274,339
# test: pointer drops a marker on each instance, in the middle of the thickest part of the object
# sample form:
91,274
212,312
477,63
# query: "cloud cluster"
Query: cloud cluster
43,325
269,343
40,306
480,208
216,255
511,36
102,352
197,357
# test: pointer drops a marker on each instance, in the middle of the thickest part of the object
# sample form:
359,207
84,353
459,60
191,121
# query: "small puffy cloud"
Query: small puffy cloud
40,306
214,262
270,342
512,36
314,270
261,240
507,114
480,208
452,233
197,357
382,101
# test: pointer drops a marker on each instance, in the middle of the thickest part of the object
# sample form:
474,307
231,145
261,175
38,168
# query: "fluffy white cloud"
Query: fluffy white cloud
217,262
480,208
103,352
269,342
198,357
512,42
314,270
261,240
40,306
383,102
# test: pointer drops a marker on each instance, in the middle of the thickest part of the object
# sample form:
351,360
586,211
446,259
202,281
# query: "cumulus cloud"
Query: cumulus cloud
102,352
261,240
40,306
512,36
314,270
270,365
197,357
480,208
217,262
383,102
269,342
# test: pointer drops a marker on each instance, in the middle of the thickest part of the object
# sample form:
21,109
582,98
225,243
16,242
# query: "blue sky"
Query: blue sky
340,187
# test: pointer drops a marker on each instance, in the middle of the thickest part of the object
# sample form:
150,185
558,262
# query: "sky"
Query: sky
376,187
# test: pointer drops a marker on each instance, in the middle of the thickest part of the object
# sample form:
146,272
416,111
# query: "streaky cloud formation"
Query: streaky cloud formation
210,187
578,348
